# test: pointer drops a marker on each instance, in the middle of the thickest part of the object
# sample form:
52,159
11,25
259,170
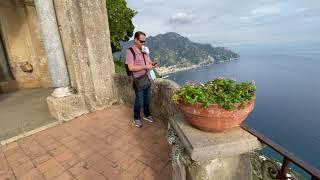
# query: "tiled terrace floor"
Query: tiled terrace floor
101,145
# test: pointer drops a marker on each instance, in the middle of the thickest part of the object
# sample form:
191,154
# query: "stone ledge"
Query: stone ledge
67,108
202,145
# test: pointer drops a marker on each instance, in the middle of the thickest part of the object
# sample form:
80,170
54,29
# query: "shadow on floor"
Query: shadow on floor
22,111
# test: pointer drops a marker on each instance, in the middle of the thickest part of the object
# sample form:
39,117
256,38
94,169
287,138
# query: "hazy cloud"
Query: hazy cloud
181,18
230,22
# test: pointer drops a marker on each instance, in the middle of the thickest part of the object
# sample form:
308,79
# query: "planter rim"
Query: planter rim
216,104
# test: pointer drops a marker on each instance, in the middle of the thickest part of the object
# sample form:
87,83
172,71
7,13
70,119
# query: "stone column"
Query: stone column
52,44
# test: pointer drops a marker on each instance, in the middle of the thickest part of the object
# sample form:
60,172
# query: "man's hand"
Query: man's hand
155,64
149,66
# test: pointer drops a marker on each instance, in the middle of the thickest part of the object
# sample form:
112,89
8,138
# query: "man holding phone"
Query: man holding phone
140,64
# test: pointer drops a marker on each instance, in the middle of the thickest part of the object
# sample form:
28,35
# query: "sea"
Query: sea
287,108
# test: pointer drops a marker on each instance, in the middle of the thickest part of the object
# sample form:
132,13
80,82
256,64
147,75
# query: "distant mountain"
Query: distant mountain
173,49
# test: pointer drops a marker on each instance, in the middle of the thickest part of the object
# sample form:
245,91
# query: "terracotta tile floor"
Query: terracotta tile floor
101,145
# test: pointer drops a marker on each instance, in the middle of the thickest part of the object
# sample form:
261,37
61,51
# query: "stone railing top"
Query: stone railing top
168,83
201,145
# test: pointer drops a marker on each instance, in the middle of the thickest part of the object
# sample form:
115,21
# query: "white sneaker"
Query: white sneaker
137,123
149,118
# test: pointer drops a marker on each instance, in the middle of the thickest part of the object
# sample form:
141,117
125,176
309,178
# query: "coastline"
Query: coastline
163,71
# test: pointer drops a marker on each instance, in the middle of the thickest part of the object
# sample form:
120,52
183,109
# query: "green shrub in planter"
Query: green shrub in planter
225,92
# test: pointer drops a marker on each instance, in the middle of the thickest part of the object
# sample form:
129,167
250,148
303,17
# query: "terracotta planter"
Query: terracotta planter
215,118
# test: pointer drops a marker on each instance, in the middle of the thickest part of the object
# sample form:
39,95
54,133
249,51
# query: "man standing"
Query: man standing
139,64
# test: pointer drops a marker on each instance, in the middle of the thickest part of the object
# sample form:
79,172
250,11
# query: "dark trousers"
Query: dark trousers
145,96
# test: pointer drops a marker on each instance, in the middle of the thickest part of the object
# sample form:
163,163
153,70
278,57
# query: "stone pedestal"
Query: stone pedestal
67,108
199,155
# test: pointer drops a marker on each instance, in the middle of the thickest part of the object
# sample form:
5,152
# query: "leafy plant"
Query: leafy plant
225,92
119,66
120,22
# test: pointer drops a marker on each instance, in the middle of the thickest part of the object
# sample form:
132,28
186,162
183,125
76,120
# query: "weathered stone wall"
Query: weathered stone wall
85,37
229,168
20,32
162,89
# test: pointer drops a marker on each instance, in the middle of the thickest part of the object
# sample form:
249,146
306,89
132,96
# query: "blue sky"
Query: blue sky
245,23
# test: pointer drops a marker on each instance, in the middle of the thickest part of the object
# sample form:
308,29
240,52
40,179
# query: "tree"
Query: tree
120,22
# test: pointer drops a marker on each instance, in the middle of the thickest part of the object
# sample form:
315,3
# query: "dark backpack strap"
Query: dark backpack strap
133,53
134,58
145,62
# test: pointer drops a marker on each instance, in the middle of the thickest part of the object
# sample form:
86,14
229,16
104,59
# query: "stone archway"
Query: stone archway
24,80
21,39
